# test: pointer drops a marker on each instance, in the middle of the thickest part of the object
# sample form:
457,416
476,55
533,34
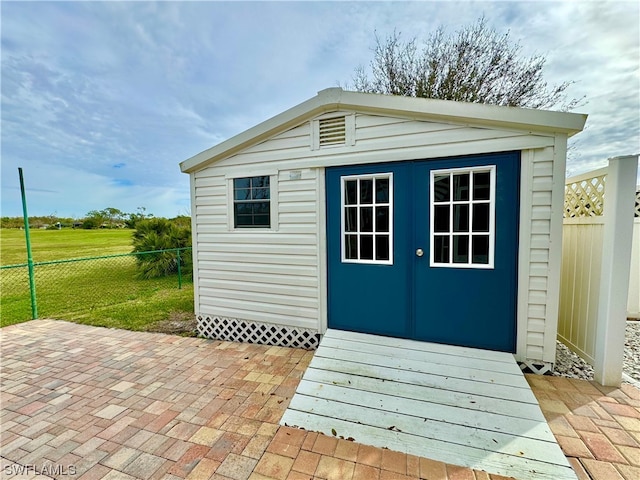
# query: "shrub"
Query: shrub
90,223
162,234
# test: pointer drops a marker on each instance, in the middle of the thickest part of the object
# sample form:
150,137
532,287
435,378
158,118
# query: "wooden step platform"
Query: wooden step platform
458,405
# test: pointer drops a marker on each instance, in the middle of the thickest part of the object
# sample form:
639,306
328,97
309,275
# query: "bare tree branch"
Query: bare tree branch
475,64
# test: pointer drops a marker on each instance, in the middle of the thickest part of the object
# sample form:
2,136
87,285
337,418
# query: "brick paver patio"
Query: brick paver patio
87,402
597,427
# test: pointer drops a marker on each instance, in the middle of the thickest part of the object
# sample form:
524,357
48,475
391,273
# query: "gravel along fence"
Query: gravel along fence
568,364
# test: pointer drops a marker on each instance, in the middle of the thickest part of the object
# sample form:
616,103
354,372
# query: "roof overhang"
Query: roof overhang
333,99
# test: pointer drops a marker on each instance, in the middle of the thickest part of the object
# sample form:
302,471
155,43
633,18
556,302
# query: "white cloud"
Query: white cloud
76,191
90,85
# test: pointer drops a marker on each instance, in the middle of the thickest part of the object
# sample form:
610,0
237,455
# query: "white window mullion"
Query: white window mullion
343,220
471,203
432,198
358,220
492,214
373,217
390,232
470,234
451,218
374,234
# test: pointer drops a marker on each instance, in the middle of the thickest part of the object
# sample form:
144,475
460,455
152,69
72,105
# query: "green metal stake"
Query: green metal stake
32,277
179,270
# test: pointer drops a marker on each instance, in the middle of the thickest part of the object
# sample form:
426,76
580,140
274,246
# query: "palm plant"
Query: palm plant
162,238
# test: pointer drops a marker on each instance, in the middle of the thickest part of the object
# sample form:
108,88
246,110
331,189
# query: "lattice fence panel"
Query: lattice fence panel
235,330
585,198
536,367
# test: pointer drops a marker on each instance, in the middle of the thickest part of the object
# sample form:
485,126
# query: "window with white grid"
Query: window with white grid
367,218
462,217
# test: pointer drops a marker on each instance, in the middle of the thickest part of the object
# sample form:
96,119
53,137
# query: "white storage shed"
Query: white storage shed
415,218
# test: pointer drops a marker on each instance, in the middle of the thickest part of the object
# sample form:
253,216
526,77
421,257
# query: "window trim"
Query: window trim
492,215
343,233
273,203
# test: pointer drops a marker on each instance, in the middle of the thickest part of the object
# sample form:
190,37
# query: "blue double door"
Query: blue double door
426,249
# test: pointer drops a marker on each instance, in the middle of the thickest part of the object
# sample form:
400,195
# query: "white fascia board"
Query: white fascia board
533,120
332,99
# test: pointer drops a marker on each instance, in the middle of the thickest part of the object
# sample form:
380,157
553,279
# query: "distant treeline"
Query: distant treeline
35,222
106,218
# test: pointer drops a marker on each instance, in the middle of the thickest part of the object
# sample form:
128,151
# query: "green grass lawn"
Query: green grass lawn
49,245
101,291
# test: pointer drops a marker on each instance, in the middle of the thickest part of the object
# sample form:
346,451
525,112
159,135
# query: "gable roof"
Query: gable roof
333,99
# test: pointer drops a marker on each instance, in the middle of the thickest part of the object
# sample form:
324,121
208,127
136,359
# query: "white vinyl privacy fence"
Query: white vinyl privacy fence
600,275
633,303
582,230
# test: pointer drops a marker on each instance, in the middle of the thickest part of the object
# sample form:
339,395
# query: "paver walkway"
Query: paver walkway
598,428
86,402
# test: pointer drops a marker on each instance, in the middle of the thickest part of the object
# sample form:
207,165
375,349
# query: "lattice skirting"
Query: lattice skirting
235,330
539,368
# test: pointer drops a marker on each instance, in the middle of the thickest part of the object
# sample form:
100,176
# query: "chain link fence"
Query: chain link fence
74,288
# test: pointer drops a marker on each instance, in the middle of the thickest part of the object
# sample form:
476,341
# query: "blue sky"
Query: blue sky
102,100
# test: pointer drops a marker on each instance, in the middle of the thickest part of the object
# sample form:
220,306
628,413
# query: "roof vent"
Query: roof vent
332,131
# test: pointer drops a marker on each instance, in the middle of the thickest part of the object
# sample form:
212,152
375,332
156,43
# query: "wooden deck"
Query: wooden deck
461,406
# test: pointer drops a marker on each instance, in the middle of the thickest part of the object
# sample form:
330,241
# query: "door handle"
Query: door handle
419,252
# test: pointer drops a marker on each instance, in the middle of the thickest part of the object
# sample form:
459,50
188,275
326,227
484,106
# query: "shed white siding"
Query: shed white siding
257,275
277,276
539,247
